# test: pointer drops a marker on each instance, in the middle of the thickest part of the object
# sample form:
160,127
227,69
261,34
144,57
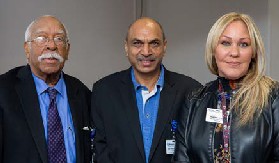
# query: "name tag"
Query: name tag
170,146
214,115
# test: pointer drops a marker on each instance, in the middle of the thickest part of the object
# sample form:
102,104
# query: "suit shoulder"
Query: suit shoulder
208,88
8,82
182,79
75,81
112,78
10,75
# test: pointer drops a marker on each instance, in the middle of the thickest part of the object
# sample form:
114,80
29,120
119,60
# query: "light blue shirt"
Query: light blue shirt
148,105
63,110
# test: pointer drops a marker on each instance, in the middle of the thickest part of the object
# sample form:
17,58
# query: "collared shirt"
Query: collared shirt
148,105
63,110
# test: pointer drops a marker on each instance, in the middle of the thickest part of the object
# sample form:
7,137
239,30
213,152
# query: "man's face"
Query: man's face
145,47
41,64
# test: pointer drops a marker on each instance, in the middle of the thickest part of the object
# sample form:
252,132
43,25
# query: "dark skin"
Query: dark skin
48,69
145,48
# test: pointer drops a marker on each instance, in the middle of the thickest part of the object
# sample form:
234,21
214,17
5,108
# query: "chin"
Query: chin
232,74
148,70
233,77
52,70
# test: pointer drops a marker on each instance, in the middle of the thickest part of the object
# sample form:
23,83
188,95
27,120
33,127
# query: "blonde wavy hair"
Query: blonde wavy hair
255,87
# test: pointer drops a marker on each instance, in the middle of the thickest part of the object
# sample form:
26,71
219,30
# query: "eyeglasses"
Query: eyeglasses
42,41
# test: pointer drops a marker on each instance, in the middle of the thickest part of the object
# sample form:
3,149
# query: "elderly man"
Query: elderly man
43,111
134,110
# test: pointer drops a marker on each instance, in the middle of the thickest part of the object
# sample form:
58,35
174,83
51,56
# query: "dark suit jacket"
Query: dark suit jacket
22,138
115,116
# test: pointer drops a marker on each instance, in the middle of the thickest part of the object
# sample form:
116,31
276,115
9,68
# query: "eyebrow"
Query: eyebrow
136,39
240,38
156,39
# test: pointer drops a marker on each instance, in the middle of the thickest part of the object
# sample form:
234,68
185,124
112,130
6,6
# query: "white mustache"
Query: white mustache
50,55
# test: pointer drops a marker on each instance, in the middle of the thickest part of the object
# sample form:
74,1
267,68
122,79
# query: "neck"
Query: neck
50,79
147,80
229,84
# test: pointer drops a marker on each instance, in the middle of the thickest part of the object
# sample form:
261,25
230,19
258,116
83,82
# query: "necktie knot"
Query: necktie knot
52,92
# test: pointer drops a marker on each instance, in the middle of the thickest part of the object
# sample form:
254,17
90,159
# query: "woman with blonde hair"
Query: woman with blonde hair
234,118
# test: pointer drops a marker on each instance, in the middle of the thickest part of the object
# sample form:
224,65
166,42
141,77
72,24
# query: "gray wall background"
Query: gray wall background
273,36
97,29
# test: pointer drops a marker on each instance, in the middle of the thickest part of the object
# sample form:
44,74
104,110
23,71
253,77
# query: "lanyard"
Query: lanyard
226,123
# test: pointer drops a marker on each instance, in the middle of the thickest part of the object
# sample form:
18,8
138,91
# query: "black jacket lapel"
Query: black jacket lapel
167,98
29,99
129,97
76,111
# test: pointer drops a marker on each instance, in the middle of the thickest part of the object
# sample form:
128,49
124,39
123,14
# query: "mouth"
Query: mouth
50,60
146,62
233,64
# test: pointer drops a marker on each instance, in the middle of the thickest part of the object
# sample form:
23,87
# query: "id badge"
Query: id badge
170,146
214,115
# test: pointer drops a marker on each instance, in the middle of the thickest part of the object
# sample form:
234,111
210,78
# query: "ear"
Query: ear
165,46
67,51
126,47
27,49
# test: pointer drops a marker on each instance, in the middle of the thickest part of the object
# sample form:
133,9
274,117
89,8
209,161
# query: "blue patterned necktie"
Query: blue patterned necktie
55,139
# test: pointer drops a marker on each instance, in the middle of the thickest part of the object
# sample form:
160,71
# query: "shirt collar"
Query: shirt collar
41,86
159,84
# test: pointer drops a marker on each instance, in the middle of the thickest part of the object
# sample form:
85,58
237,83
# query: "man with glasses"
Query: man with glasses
44,113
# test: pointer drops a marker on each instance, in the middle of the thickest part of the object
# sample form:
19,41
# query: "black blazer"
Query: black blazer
22,137
115,116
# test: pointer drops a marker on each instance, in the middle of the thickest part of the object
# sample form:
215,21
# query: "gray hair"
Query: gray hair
28,29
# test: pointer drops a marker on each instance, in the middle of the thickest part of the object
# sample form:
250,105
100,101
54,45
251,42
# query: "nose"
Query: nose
146,50
234,51
51,45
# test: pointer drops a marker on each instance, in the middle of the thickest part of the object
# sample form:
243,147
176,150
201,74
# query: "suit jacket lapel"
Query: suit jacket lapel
129,98
76,111
29,99
167,98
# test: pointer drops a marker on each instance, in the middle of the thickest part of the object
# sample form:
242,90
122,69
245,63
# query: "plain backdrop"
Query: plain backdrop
97,29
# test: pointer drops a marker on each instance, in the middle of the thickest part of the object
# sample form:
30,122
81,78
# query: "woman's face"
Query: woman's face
233,53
